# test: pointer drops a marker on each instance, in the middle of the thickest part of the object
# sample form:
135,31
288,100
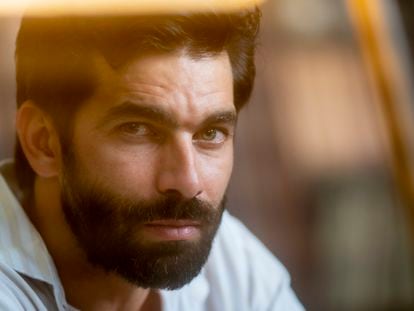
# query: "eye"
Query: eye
212,136
137,129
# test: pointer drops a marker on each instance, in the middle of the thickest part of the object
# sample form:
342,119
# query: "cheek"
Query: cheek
216,174
123,170
134,170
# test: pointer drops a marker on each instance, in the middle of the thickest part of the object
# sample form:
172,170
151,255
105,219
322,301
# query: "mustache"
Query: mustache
174,208
169,206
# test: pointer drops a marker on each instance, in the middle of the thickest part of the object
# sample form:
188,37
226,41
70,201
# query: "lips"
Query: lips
172,230
173,223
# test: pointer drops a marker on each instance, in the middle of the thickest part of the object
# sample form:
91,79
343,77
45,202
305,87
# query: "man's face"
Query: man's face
147,166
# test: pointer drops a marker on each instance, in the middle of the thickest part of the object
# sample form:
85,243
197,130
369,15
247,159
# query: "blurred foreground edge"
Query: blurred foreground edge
386,52
120,7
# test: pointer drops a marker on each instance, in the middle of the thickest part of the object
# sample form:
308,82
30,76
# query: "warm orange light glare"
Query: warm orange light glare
57,7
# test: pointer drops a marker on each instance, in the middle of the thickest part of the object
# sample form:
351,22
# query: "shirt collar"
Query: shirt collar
21,246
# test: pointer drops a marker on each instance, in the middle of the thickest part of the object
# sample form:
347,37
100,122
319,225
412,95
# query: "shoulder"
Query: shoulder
8,291
16,292
242,268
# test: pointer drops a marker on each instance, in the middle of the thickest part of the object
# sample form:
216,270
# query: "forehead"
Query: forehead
182,85
176,70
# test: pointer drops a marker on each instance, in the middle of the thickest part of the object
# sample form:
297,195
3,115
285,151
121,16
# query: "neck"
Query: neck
101,291
86,287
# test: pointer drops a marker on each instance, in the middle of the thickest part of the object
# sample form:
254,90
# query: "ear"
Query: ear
39,140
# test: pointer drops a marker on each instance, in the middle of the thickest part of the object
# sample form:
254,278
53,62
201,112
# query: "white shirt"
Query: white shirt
240,274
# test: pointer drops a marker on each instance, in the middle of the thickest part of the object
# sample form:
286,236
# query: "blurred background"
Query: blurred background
324,151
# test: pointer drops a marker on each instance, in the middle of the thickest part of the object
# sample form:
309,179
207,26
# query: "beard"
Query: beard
106,226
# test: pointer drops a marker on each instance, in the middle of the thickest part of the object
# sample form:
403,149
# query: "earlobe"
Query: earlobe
39,140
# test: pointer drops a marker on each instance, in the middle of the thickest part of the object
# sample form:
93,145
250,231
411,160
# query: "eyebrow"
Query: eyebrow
142,110
229,117
128,109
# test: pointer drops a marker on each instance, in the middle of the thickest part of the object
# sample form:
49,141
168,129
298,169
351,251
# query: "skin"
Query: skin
161,123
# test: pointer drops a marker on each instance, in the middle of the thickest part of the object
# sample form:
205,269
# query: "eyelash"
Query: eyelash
216,130
129,129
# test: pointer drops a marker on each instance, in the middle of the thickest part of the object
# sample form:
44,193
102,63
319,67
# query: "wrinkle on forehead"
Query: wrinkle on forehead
195,74
187,87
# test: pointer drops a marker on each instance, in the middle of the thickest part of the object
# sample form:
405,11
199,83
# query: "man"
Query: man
125,148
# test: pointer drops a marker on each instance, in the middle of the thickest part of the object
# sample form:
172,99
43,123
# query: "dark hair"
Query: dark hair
53,67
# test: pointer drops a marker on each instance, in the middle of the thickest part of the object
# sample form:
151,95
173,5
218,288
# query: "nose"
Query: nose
178,169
